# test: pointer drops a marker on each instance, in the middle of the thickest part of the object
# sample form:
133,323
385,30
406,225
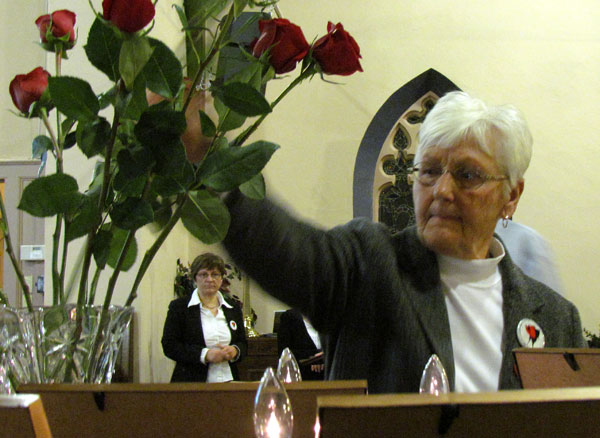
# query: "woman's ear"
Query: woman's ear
514,195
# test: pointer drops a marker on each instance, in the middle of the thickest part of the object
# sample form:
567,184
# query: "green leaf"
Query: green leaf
101,246
103,48
163,72
233,58
50,195
254,188
206,217
133,187
73,97
243,99
167,186
156,128
135,103
172,162
159,132
109,97
181,13
198,11
95,186
162,212
4,299
67,125
70,141
208,127
84,220
116,245
132,214
227,168
133,164
238,7
221,143
53,318
135,53
92,137
41,144
229,119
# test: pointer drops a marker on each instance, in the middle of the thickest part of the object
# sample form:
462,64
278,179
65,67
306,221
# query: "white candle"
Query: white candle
273,428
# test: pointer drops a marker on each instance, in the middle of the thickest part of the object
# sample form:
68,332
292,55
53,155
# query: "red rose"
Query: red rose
337,53
26,89
286,43
128,15
63,23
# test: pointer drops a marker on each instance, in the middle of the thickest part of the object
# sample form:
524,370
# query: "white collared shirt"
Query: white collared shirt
314,335
473,295
216,332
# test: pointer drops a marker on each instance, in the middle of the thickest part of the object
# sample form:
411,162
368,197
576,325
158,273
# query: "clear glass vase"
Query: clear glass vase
55,344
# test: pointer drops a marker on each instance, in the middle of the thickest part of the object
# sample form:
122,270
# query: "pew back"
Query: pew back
23,416
182,409
541,413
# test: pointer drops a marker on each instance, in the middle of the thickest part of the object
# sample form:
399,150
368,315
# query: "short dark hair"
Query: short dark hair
207,260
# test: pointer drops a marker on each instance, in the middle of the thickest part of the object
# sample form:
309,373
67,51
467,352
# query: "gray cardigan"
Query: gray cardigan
376,297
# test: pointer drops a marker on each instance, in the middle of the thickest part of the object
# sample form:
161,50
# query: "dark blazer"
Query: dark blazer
183,339
376,298
292,334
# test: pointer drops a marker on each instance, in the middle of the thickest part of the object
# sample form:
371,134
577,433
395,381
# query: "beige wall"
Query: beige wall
20,54
542,56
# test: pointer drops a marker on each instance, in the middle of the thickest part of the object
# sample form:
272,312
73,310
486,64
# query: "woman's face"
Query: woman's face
460,222
208,281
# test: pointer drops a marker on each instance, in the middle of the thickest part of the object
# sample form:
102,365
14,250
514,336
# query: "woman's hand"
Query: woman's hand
317,368
230,351
221,353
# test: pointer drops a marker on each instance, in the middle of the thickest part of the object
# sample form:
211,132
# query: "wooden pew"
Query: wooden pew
23,416
540,413
558,367
179,410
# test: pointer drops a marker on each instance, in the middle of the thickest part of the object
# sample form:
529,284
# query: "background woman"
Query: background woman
204,333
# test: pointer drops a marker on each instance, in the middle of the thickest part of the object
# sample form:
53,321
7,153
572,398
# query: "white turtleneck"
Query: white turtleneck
473,294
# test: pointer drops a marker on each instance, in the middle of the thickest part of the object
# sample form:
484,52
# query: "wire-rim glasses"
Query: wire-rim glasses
465,177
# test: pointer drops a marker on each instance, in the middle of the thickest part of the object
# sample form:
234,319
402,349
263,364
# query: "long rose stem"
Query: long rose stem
306,73
149,255
13,258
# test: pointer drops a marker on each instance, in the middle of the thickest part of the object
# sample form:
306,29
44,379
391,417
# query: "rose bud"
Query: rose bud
286,43
128,15
27,89
337,53
62,23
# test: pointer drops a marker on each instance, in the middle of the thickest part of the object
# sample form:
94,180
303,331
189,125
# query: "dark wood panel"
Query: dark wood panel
262,353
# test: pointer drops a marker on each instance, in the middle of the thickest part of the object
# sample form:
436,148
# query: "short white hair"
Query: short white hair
458,116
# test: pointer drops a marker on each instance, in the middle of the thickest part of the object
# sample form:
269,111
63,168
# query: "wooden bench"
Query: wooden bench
540,413
23,416
174,410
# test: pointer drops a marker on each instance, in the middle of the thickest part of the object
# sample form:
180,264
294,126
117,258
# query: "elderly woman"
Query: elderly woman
204,333
385,303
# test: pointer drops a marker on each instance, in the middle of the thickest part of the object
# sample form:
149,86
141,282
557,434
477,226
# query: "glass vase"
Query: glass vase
57,345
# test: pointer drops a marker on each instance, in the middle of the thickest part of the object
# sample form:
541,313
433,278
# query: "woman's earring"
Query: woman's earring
505,220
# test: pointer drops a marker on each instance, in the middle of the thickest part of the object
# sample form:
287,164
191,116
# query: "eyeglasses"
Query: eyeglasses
465,177
205,275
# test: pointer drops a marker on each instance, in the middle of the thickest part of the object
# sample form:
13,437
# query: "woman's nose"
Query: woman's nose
444,187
